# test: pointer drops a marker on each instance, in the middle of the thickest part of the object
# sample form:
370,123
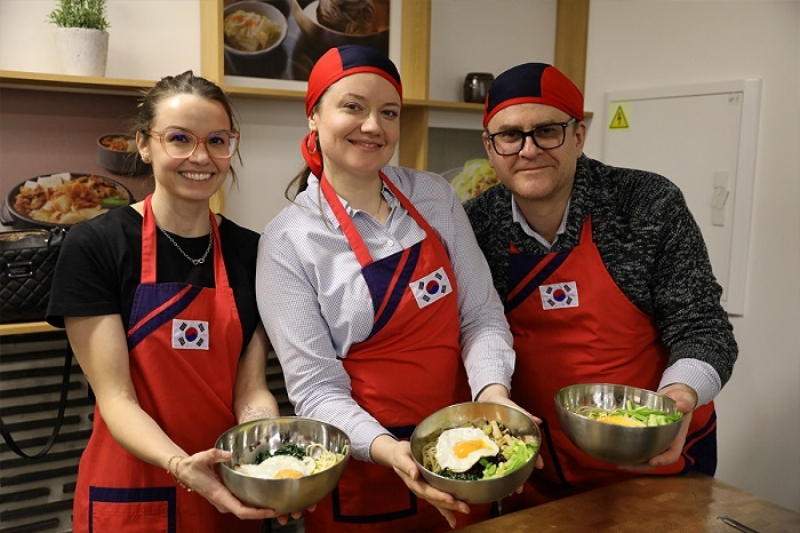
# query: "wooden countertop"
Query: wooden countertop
688,503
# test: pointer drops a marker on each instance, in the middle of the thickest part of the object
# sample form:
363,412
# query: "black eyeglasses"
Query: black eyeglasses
545,137
180,144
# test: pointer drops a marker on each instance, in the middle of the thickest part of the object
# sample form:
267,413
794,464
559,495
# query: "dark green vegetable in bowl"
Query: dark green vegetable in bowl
486,480
290,449
115,201
253,443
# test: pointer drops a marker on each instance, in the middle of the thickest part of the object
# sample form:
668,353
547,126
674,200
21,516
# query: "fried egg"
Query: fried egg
280,467
459,448
621,421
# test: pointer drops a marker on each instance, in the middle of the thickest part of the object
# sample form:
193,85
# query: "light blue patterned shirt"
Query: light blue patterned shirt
315,303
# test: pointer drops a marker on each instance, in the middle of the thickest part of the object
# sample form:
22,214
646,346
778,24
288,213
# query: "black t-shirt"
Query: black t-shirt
99,267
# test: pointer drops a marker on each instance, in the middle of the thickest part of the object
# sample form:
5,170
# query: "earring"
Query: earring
145,160
312,143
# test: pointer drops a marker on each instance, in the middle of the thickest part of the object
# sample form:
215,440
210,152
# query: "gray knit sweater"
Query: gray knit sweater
650,245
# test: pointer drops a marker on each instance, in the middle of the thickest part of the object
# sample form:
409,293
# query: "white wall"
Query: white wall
148,39
632,44
486,36
271,133
635,44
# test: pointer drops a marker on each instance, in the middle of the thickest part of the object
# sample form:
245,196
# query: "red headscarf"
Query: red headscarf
334,65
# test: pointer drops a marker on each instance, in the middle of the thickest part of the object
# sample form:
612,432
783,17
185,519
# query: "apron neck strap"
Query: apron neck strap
586,231
350,231
149,247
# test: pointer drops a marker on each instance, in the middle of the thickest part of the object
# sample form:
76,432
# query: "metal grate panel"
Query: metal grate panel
36,495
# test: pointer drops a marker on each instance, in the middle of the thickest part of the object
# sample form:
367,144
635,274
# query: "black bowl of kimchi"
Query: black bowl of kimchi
66,198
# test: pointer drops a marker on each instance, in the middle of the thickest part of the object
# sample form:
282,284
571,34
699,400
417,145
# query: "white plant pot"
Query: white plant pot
83,51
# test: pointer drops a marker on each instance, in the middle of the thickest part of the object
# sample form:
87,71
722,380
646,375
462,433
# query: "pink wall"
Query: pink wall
46,132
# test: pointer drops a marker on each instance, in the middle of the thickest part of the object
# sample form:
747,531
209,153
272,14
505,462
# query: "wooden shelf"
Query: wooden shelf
270,94
570,57
26,328
443,105
61,82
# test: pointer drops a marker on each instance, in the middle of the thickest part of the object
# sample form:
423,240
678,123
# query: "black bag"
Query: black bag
62,409
27,263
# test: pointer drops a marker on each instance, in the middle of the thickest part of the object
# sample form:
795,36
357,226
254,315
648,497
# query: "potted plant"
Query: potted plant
81,36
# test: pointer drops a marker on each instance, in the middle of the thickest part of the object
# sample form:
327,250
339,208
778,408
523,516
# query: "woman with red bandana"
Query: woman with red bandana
159,309
378,302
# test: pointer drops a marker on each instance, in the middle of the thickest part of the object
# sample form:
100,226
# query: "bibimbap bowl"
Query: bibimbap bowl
450,435
266,471
598,418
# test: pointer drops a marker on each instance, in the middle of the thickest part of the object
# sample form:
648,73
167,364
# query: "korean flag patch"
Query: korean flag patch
189,334
430,288
559,295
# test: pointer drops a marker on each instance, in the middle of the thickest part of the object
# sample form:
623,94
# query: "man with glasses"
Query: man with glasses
604,276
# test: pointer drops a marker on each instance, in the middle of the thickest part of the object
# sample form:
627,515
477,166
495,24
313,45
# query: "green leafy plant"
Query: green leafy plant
80,14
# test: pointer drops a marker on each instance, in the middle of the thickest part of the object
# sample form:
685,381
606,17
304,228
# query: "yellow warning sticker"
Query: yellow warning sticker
618,121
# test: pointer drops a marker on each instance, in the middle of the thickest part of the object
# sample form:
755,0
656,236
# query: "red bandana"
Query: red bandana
334,65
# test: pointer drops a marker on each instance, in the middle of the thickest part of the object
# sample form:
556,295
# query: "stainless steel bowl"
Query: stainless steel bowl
246,440
608,442
485,490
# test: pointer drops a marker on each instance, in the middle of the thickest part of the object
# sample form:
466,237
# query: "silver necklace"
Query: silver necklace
200,260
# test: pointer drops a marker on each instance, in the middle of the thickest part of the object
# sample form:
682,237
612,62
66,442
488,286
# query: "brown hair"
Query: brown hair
301,178
185,83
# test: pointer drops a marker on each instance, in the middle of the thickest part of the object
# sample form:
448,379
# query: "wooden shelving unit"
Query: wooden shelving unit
61,82
570,57
26,328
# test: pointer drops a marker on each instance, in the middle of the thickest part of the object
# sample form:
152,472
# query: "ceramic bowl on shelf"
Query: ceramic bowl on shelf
117,153
476,86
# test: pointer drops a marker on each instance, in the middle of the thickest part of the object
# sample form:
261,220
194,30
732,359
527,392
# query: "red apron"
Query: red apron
184,344
408,367
572,324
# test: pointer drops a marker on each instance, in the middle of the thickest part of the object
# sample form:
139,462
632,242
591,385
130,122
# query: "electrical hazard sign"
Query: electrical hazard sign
619,120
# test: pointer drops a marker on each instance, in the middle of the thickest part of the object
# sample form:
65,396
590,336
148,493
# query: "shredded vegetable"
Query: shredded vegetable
630,415
476,176
514,452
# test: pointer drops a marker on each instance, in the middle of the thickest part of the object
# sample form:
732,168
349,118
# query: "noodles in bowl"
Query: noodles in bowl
339,22
291,461
287,463
477,451
355,18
